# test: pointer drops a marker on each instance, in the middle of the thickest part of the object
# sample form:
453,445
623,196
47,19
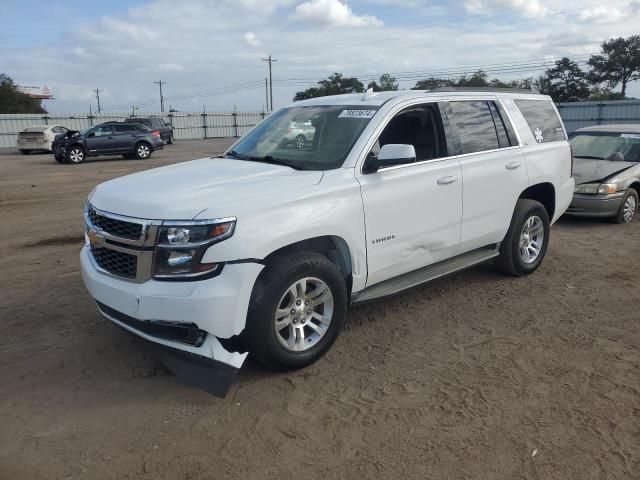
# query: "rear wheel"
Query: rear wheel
75,155
296,312
525,245
628,207
143,150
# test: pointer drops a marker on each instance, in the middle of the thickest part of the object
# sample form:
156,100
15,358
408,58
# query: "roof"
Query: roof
379,98
614,128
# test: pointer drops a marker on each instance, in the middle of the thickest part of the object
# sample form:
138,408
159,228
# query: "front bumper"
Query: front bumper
584,205
217,307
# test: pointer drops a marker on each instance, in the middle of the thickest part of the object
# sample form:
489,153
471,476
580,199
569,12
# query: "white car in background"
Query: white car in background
38,137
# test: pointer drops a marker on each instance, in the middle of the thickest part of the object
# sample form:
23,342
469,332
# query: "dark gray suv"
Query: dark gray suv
131,140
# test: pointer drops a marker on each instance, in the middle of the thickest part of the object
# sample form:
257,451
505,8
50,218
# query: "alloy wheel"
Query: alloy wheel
303,314
531,239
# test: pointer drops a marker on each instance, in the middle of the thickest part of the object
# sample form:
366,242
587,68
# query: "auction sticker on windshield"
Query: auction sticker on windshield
630,135
357,114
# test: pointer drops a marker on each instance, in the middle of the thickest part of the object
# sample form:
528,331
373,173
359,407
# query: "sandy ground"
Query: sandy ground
465,378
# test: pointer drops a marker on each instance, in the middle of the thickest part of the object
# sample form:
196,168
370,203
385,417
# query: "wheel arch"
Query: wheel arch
636,186
545,193
334,247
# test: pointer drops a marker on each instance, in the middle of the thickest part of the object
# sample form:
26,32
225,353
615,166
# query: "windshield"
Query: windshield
306,138
607,146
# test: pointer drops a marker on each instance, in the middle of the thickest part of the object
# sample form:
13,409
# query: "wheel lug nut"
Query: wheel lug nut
299,302
309,312
307,302
293,310
295,320
304,321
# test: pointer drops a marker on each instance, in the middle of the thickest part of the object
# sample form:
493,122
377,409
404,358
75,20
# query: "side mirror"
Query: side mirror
391,155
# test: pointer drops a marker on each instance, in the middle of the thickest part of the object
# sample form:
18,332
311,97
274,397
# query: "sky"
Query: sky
209,52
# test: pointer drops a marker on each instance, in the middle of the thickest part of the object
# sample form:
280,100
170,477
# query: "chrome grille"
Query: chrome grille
121,246
116,263
117,228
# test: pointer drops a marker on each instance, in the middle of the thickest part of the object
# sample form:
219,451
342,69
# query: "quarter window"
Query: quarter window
542,120
473,123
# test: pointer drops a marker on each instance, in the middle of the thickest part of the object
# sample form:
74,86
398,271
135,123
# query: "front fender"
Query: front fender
331,208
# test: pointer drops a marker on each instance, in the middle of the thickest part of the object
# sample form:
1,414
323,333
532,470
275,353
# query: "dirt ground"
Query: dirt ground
477,376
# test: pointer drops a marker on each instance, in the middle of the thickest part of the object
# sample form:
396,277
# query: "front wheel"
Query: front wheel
296,312
75,155
143,150
628,207
525,245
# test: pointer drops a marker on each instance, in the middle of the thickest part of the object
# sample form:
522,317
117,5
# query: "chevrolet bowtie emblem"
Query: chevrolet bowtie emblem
95,238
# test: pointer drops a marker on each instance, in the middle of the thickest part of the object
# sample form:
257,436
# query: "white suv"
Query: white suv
263,249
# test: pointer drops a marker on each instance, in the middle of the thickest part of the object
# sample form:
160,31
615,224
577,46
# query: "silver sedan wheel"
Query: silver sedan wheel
629,209
143,151
304,314
531,239
76,155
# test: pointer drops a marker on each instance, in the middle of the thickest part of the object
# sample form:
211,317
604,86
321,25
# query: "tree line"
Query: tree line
14,101
617,64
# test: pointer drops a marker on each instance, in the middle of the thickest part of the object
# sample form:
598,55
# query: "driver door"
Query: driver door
101,140
413,212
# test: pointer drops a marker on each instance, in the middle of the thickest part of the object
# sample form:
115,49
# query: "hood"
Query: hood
222,187
586,170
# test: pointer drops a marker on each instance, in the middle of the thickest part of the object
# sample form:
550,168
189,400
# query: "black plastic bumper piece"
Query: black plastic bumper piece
201,372
187,333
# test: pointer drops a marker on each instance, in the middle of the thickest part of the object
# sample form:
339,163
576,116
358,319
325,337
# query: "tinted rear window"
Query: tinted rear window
473,123
542,120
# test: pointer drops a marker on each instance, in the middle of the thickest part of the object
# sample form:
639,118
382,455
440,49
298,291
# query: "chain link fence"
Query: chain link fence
192,125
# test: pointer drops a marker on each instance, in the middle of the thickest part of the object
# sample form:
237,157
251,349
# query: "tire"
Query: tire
24,152
628,207
75,154
272,296
142,150
170,141
529,215
300,142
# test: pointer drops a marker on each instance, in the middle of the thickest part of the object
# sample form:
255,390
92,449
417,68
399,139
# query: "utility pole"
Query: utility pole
266,92
270,61
160,83
98,97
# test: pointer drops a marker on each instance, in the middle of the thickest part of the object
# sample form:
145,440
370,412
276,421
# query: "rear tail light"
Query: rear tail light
571,149
156,133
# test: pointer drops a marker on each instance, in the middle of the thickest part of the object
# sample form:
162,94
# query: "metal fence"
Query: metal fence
185,125
235,124
584,114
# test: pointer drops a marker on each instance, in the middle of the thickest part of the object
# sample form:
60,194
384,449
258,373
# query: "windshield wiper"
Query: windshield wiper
234,154
274,161
589,157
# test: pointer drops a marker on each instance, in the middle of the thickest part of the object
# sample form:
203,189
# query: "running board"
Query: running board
426,274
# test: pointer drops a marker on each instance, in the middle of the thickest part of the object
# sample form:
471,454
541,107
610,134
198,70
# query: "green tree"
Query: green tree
477,79
432,83
567,82
618,64
14,101
336,84
387,83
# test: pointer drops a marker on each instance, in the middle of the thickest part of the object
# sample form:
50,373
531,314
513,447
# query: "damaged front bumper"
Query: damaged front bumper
188,320
585,205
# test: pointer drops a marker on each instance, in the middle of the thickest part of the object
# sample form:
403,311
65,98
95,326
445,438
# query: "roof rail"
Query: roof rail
484,89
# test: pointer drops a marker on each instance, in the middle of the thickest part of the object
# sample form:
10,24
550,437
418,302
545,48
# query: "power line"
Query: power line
160,83
98,97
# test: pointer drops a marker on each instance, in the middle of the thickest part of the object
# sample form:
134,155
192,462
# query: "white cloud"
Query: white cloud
601,14
333,13
527,8
251,39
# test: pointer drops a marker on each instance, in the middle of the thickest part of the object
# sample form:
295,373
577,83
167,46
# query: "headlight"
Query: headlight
181,246
596,188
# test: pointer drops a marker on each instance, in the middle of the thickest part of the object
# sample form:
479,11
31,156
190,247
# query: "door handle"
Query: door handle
447,180
513,165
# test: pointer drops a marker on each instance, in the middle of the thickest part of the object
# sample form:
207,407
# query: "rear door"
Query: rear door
124,138
493,170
